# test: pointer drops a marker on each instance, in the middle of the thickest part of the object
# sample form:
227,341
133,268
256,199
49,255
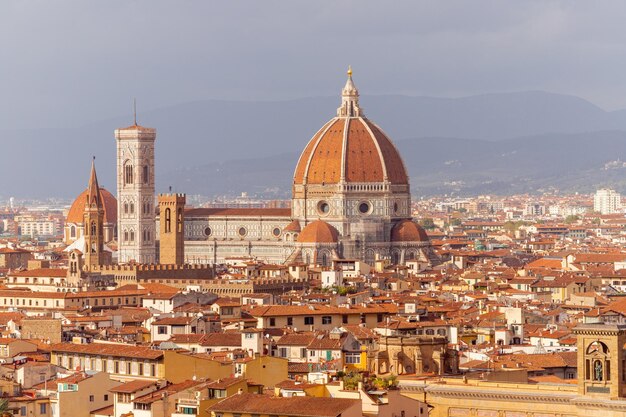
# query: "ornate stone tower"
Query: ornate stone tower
135,194
93,220
172,228
601,361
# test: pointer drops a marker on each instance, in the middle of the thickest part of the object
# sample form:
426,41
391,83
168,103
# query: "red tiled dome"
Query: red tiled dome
318,232
75,215
370,156
294,226
408,231
350,148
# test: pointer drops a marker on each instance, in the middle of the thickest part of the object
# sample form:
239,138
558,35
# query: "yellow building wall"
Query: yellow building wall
179,367
267,370
362,366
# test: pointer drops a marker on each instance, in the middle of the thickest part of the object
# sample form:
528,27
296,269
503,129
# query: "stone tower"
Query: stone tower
93,220
135,194
172,228
601,363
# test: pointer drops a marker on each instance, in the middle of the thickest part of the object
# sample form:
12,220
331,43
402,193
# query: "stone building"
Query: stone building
135,194
414,355
350,199
600,390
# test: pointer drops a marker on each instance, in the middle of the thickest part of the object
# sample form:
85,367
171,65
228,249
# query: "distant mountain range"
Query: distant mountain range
494,143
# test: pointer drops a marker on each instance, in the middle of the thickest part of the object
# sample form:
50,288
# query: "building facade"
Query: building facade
350,199
606,201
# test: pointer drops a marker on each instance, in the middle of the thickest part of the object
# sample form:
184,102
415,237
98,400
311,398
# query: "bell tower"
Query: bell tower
601,360
135,194
93,220
172,229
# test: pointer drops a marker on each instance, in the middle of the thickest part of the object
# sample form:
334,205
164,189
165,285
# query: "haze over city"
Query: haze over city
73,69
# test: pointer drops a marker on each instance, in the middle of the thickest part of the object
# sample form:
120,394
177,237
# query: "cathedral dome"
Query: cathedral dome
77,210
408,231
318,232
350,149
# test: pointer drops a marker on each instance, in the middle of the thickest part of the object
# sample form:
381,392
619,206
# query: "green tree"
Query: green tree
427,223
572,218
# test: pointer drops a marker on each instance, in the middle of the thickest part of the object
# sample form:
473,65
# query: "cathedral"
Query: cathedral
350,200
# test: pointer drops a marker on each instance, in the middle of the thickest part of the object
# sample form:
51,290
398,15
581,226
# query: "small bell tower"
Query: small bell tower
601,360
93,219
172,229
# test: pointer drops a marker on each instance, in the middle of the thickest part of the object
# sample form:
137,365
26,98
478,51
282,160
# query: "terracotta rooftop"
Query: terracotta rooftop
291,406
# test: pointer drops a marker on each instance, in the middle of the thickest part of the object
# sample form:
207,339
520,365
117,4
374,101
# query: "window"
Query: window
430,332
73,231
283,352
162,330
353,358
179,220
132,235
272,321
43,408
289,321
22,411
92,398
309,320
326,320
128,174
323,207
168,220
145,174
106,397
344,319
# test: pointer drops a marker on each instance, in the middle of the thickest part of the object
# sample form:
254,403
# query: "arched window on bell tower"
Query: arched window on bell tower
597,362
168,220
128,173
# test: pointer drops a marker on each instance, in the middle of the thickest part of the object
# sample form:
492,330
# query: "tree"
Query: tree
427,223
572,218
455,222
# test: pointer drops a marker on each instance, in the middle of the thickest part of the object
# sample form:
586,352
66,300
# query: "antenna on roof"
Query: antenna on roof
135,110
170,189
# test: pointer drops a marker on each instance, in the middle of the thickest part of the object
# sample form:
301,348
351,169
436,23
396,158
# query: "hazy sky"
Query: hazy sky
65,63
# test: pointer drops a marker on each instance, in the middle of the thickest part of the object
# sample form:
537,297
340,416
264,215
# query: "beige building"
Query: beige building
79,394
319,317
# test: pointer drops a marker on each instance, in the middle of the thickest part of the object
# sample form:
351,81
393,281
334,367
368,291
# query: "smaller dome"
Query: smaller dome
77,210
294,226
318,232
408,231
